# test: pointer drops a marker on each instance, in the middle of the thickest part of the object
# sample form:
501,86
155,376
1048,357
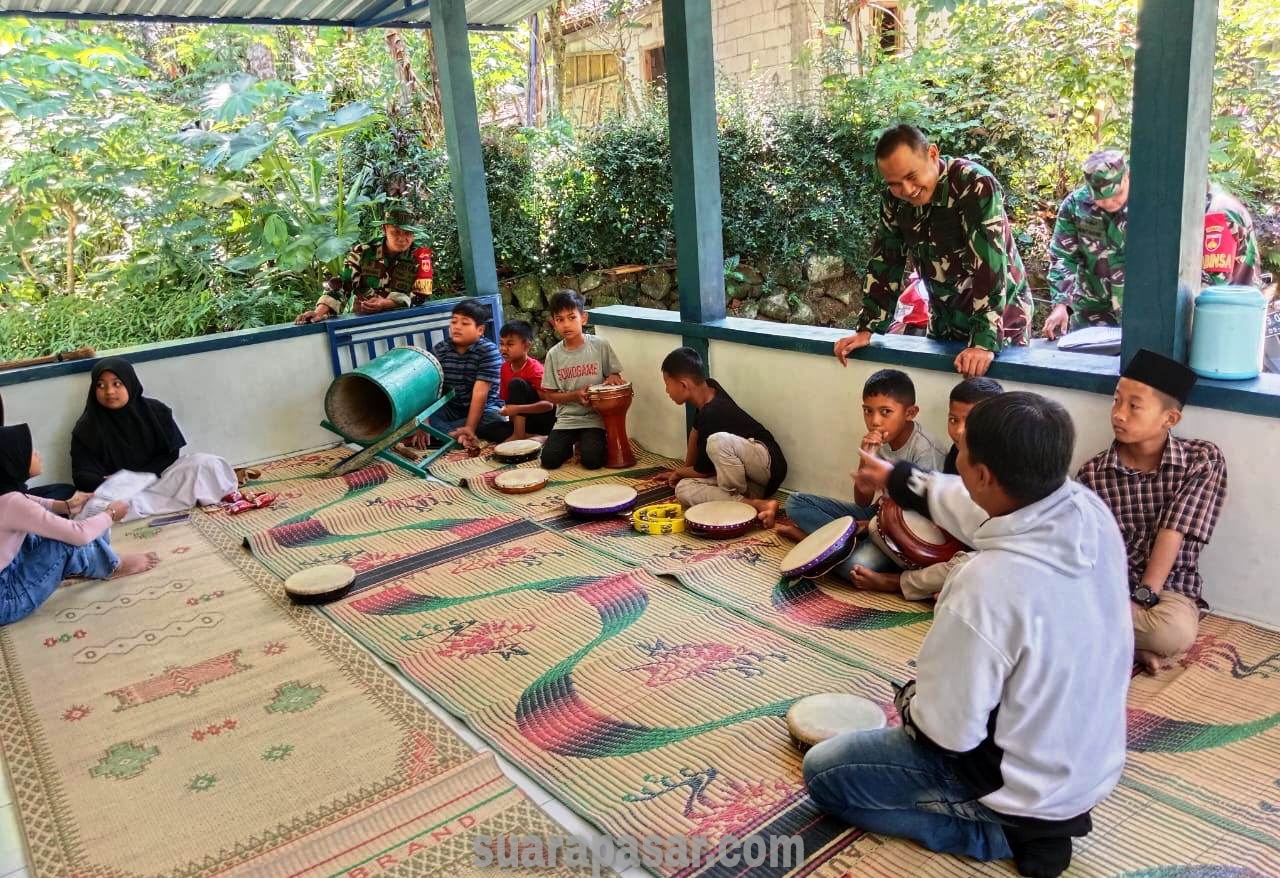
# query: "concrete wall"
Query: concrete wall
246,403
813,407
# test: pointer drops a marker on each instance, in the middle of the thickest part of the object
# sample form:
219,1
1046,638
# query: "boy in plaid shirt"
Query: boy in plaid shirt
1166,494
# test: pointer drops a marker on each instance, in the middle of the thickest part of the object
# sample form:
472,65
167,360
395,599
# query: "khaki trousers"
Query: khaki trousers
742,470
1167,629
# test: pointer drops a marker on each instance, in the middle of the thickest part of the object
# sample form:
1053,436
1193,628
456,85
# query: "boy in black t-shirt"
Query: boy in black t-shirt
731,456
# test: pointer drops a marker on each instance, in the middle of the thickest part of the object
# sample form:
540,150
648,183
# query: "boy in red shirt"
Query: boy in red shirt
526,412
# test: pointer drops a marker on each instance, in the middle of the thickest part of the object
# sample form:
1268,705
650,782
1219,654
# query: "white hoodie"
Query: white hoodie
1036,624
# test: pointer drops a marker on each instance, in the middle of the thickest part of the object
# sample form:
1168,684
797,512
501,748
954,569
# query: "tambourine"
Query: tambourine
659,518
517,450
720,518
319,585
521,481
909,539
816,718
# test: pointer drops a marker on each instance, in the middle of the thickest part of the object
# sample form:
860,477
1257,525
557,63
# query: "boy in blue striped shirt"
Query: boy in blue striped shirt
472,370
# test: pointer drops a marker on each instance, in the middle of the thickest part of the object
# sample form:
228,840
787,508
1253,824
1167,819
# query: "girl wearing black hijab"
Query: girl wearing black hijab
122,430
37,548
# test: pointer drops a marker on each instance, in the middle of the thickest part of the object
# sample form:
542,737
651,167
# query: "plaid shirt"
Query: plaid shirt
1183,494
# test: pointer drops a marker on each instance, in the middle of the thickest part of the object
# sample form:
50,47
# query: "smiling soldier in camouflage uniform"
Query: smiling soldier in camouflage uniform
1086,256
381,275
945,215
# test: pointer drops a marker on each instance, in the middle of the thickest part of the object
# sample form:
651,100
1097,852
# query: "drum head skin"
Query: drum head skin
600,499
720,517
317,585
624,387
924,529
820,550
521,481
816,718
518,448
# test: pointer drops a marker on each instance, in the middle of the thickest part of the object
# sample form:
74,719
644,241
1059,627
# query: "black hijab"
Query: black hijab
142,436
15,458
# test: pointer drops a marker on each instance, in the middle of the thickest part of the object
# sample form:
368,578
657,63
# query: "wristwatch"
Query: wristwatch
1144,596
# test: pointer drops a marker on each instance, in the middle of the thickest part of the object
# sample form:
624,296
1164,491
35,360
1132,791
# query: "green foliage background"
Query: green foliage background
205,198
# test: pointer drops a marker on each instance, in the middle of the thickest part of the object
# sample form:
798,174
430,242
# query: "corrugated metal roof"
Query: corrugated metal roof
481,14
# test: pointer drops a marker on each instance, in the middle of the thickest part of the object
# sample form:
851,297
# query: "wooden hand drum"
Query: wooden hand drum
910,539
612,402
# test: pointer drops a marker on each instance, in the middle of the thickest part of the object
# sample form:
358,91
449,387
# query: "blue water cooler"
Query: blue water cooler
1226,332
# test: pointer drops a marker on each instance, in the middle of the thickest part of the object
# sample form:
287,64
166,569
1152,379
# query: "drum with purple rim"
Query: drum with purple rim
600,501
720,518
822,550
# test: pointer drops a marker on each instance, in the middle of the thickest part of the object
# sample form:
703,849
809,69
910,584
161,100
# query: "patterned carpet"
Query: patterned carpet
652,704
191,722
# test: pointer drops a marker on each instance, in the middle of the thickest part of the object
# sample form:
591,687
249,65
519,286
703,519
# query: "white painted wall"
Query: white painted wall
813,407
246,403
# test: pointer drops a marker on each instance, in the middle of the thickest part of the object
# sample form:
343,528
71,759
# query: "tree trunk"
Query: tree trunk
556,45
260,61
532,89
435,116
408,80
72,221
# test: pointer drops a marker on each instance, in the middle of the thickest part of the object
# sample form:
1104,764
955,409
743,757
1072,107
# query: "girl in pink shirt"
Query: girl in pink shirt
39,549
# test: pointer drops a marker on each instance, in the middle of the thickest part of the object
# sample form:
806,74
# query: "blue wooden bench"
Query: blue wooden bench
354,341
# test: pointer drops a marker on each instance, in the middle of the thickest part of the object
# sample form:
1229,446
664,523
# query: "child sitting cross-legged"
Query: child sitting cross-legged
731,455
1166,493
925,583
1014,727
39,549
889,410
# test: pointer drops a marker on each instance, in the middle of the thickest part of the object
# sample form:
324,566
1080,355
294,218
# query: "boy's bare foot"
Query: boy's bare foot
789,530
766,511
1151,663
135,562
865,577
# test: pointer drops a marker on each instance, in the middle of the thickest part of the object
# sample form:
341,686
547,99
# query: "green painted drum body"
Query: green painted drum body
384,393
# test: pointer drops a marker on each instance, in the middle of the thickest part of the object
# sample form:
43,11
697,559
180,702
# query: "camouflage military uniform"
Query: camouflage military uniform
370,271
1086,260
1244,268
962,246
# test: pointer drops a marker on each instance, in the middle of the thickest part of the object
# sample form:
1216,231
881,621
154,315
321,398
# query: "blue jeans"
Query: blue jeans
41,564
882,781
447,421
810,512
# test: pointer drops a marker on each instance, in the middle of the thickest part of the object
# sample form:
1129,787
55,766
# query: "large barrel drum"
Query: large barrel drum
384,393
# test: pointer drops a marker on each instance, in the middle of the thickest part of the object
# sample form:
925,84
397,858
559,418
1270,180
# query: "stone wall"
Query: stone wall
821,292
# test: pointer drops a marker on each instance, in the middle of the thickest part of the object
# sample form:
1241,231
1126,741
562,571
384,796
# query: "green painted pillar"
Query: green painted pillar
1169,155
462,139
695,158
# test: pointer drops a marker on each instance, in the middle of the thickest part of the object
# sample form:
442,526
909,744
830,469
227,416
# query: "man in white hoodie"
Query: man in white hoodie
1015,725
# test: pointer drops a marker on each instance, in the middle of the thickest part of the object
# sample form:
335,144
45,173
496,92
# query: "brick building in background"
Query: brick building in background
757,42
